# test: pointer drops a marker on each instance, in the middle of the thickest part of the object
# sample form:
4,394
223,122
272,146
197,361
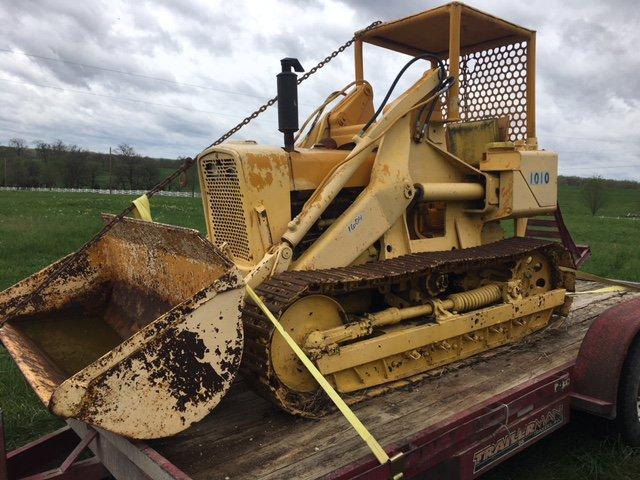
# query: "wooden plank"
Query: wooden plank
542,233
536,222
246,437
126,459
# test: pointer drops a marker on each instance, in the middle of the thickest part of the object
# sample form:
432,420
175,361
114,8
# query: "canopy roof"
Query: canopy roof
429,31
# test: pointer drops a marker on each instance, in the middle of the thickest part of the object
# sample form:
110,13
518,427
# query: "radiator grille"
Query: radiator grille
493,83
226,205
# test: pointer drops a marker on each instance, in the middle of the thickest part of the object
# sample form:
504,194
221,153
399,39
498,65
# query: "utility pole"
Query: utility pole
110,167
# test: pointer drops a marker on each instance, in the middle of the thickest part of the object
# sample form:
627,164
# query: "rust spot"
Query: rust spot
259,169
180,368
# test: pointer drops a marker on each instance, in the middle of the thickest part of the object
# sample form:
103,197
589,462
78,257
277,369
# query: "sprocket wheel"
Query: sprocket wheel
311,313
535,274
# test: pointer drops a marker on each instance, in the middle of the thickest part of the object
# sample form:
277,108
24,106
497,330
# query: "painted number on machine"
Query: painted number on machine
539,178
355,223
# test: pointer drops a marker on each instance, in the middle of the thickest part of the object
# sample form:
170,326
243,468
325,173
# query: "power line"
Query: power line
31,132
600,140
140,75
123,72
599,167
598,152
123,99
105,137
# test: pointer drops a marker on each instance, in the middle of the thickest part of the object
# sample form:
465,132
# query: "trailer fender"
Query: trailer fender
596,374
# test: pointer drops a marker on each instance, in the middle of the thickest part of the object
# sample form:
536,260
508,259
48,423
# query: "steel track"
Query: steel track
281,291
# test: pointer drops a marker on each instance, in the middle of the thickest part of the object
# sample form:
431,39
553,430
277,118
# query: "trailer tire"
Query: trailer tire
628,408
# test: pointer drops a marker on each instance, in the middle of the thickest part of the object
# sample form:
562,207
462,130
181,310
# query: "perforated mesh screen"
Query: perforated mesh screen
493,83
226,205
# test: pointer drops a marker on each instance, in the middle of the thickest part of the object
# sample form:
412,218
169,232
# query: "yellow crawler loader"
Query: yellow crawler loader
375,236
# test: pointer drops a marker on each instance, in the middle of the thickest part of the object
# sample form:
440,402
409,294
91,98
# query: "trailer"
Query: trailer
457,422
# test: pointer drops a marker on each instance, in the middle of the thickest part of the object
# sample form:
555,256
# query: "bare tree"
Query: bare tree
129,164
13,167
18,145
30,174
75,171
43,149
49,171
595,193
58,146
148,173
126,150
92,169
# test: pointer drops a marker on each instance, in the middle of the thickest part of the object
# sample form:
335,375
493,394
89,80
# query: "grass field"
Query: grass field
38,227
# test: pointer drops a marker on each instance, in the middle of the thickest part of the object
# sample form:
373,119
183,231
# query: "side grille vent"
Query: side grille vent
225,200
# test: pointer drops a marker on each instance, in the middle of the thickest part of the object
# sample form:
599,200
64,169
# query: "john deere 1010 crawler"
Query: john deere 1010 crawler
375,235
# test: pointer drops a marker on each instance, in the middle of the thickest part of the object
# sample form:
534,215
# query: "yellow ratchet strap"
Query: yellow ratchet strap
611,289
143,209
614,285
373,444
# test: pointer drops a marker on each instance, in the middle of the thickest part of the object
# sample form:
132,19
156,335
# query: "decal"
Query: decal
355,223
561,384
518,438
539,178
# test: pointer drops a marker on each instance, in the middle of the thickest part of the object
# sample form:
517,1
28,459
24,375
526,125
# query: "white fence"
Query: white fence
102,191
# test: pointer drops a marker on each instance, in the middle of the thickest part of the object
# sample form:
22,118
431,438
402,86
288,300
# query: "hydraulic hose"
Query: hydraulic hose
424,56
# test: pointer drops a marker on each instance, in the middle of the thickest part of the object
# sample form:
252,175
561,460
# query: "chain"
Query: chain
335,53
244,122
272,101
160,186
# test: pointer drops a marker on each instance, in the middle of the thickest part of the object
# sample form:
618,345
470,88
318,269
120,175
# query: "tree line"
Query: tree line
57,164
606,182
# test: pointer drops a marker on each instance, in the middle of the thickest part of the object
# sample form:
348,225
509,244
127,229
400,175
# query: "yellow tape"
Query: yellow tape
143,209
633,286
600,290
373,444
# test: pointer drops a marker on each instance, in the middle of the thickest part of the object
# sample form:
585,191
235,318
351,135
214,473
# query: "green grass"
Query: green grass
37,228
24,416
614,241
587,448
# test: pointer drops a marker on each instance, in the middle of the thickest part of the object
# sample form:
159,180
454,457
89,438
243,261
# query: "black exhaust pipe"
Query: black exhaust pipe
288,100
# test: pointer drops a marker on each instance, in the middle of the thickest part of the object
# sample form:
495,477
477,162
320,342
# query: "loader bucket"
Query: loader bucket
141,336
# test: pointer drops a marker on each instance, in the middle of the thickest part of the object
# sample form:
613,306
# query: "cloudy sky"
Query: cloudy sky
168,77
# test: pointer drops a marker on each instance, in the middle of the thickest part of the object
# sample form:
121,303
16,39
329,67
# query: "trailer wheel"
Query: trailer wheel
628,409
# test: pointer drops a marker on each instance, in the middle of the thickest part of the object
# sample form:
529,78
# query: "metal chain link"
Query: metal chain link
335,53
160,186
244,122
272,101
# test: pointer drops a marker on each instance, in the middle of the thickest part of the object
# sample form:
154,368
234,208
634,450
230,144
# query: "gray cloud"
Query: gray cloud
588,87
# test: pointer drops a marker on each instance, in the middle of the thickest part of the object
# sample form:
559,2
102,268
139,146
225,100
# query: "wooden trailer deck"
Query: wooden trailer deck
247,437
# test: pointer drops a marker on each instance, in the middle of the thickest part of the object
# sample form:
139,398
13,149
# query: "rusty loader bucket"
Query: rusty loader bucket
142,336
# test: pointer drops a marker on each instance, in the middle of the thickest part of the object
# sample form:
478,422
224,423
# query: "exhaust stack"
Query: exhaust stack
288,100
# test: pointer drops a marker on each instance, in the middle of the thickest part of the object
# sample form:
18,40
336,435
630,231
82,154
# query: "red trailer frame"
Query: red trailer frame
463,446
